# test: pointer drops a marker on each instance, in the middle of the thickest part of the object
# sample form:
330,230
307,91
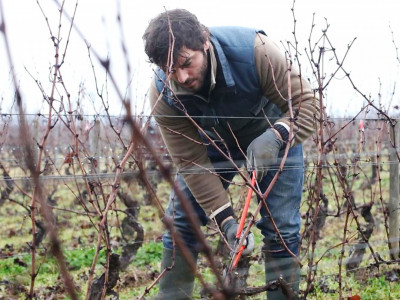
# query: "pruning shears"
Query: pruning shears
243,219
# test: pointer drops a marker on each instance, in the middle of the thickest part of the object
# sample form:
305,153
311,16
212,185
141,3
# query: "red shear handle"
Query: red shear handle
237,257
246,206
243,219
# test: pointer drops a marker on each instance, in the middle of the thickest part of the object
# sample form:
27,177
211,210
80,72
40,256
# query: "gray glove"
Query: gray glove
229,229
263,152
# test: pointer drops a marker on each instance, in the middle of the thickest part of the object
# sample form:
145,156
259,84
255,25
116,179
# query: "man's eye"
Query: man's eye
186,64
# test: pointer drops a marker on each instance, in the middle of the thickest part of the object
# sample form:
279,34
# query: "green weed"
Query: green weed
148,254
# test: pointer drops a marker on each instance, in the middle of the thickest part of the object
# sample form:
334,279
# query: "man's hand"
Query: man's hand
263,152
229,229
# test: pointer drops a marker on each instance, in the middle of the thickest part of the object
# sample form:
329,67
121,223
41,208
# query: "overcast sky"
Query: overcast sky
371,60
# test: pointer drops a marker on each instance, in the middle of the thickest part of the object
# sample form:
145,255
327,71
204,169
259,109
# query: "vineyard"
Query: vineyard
83,194
346,233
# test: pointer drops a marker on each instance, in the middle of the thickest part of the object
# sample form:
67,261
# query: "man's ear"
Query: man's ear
206,34
206,45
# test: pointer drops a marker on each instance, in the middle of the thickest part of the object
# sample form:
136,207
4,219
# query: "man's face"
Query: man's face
191,68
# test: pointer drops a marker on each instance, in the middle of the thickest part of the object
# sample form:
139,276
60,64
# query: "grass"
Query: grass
372,289
15,271
149,255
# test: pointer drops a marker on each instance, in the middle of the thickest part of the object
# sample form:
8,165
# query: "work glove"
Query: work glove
229,229
263,152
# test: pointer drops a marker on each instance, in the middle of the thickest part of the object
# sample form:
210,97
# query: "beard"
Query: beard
199,81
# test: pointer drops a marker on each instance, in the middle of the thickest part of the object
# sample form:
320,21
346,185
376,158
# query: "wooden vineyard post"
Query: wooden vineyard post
95,147
393,207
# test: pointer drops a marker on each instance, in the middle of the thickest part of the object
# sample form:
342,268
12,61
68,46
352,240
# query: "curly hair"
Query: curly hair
186,30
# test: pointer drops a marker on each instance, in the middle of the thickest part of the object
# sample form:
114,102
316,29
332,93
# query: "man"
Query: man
230,84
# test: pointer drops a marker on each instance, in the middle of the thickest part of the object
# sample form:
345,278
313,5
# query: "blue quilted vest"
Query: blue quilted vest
236,103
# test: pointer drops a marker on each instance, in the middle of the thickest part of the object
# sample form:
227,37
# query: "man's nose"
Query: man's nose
181,75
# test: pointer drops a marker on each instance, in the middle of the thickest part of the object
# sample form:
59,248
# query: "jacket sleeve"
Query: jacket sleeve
273,69
189,154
